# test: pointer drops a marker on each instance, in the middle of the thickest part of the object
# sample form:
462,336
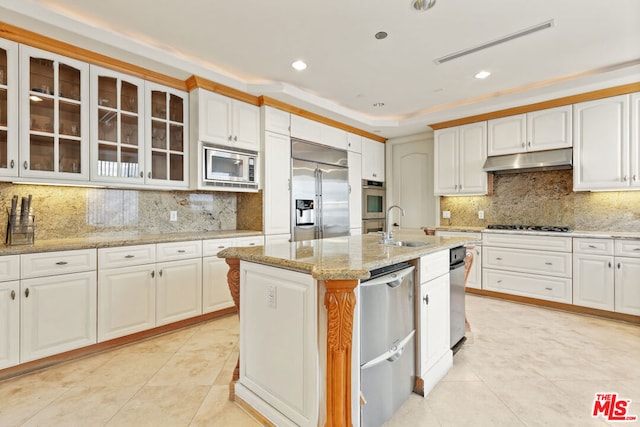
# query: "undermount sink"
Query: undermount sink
406,243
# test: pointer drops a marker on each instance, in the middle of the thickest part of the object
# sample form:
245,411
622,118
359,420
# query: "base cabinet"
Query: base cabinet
593,281
434,317
179,290
58,313
627,285
126,301
9,323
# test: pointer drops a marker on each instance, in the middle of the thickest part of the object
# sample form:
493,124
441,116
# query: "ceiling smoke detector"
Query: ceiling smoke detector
422,5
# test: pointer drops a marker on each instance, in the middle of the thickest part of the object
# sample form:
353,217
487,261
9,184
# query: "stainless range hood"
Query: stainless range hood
530,162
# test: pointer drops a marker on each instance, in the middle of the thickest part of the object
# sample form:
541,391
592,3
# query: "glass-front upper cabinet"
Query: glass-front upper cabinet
166,136
117,127
8,108
54,123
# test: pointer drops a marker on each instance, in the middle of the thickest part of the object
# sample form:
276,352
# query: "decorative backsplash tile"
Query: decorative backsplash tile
63,212
546,198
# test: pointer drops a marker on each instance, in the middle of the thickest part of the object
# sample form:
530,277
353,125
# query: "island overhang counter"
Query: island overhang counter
307,291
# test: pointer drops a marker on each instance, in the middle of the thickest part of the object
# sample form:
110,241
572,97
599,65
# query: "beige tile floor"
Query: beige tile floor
521,366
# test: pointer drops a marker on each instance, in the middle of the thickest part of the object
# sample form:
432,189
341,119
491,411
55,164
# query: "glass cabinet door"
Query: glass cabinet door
166,136
8,108
53,122
117,113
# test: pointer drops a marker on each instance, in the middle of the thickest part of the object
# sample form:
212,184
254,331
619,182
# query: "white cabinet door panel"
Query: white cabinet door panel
549,129
277,183
507,135
355,189
593,281
9,323
434,321
179,290
215,290
628,286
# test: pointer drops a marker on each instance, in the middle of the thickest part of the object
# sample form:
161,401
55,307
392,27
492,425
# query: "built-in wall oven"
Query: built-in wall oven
373,206
229,168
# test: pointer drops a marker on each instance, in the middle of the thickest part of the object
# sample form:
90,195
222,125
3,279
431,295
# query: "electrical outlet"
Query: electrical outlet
271,296
446,214
480,214
173,215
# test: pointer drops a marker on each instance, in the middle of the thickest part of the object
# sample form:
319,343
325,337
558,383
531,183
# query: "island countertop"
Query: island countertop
341,258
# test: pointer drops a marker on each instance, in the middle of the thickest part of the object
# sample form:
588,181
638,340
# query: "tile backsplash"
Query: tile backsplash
546,198
63,212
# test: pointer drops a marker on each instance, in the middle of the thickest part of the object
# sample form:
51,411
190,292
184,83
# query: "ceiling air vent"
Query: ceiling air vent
513,36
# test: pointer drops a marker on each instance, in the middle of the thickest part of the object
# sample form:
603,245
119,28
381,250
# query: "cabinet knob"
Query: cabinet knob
619,266
153,274
12,164
26,293
149,174
498,259
426,299
499,281
26,165
529,143
235,138
624,178
230,137
635,177
13,295
374,175
523,145
609,264
160,273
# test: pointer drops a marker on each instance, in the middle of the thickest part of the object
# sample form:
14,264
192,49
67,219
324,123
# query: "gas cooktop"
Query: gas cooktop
529,227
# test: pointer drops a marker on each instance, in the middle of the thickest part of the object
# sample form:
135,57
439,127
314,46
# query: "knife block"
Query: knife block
20,229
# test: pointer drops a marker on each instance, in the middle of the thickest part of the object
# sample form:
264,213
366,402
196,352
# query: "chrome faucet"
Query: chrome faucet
387,236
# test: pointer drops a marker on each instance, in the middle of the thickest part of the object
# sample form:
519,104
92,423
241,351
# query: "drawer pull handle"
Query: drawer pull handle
592,246
220,247
636,249
62,263
129,256
426,299
548,263
549,289
13,295
499,281
26,293
181,251
498,259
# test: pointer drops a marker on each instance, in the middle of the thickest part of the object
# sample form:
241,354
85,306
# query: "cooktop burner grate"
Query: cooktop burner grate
558,229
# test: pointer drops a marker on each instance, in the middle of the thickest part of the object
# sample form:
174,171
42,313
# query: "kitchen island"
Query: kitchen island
299,318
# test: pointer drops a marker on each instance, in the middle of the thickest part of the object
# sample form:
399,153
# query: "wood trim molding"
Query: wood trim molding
558,305
67,356
340,301
558,102
194,82
30,38
265,100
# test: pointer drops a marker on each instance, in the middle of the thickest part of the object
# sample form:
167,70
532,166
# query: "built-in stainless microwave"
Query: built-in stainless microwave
373,204
224,167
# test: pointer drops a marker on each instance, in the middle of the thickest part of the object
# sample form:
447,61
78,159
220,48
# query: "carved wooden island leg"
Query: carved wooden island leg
340,301
233,280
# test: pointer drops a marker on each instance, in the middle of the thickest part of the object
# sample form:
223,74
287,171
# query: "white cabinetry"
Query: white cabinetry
310,130
372,160
8,110
225,121
605,158
435,356
460,153
354,142
58,302
280,305
593,273
54,119
536,266
474,279
126,290
9,311
536,131
179,281
355,191
627,284
277,184
276,121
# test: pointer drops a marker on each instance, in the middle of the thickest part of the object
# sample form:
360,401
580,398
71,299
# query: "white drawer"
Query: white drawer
434,265
522,241
627,247
53,263
535,262
469,234
126,255
593,246
533,286
179,250
9,268
249,241
212,247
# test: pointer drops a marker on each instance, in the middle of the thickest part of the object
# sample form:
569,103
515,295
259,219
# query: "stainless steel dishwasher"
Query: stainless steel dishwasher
387,343
456,298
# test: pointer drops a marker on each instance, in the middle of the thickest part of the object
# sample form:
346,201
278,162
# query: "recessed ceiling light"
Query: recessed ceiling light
482,75
378,104
299,65
381,35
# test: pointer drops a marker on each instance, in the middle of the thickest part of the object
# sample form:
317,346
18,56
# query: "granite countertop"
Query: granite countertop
574,233
341,258
108,240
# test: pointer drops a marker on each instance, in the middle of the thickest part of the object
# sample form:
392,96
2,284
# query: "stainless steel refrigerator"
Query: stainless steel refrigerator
319,191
